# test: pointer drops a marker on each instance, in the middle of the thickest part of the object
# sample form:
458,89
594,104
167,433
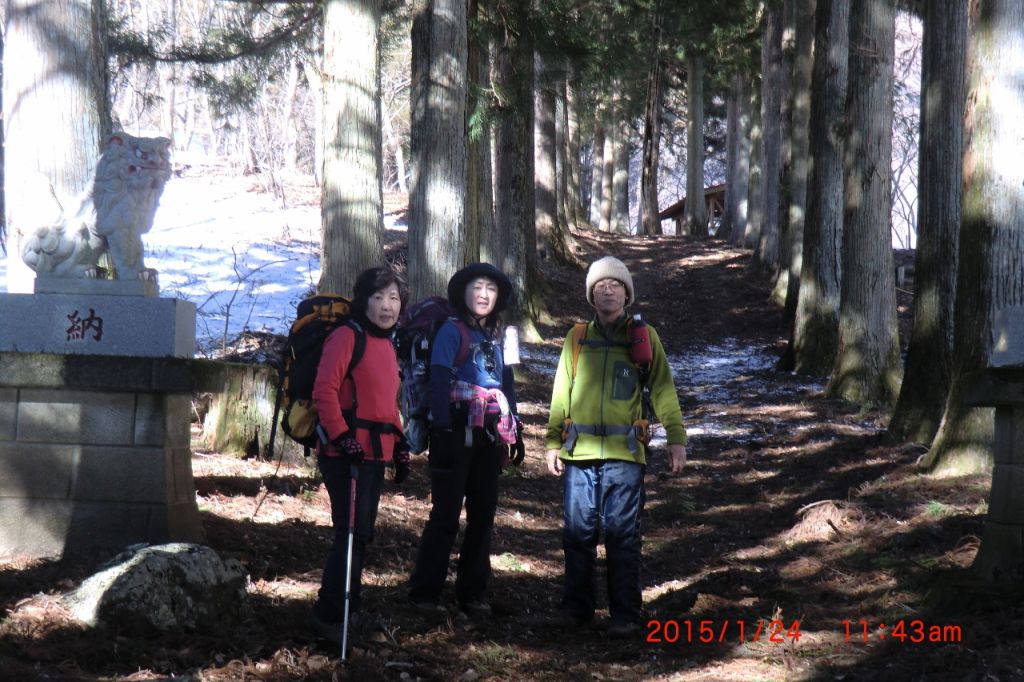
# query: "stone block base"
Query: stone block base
94,454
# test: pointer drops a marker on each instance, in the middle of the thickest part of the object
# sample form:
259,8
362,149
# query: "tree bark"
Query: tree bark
815,338
514,172
316,84
56,114
755,187
695,215
437,197
545,163
649,222
766,256
620,179
561,123
597,168
352,203
726,230
992,227
611,133
739,185
796,206
787,104
867,368
940,176
576,215
479,193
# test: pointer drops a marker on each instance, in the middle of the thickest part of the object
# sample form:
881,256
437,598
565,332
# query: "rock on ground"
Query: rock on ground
167,588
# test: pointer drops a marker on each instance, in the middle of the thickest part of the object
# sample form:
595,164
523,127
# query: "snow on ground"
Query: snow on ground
242,258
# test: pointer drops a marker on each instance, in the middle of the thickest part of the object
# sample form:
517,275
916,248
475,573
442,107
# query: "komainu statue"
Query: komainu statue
111,217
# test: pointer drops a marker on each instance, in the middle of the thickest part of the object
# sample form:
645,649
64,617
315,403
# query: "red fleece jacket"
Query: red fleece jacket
377,384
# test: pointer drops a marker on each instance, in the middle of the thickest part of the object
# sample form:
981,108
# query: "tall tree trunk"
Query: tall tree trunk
576,215
755,186
597,168
695,216
545,144
766,256
611,134
796,206
725,230
437,197
514,171
815,337
867,368
56,113
649,222
620,179
786,104
739,184
316,83
396,146
989,276
286,121
940,176
352,204
558,88
479,197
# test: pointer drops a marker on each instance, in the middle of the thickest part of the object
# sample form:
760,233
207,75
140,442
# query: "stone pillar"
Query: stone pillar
1001,556
95,406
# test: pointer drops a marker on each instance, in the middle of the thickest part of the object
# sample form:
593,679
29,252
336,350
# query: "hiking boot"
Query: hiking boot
623,630
323,629
478,610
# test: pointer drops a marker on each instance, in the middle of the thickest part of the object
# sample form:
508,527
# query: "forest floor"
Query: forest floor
797,531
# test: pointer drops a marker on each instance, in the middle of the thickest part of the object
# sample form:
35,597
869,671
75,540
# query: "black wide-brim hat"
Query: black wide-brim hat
461,279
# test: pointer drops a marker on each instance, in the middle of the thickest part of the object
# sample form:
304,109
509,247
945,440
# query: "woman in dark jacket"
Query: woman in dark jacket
360,440
473,413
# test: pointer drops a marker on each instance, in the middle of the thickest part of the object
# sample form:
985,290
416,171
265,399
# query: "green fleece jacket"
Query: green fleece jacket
606,392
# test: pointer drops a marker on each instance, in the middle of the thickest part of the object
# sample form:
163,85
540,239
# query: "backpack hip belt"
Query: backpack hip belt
376,429
638,430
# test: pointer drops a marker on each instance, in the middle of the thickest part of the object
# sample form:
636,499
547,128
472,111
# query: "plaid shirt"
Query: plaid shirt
484,402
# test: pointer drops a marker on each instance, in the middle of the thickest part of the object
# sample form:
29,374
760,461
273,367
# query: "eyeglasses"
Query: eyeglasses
609,285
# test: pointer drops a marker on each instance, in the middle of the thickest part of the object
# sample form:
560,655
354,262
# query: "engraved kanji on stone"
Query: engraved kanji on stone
81,326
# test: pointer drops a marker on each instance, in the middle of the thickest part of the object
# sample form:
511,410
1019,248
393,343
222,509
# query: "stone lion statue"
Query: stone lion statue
111,217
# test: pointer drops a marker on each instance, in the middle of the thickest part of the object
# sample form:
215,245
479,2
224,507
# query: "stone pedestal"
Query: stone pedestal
95,405
97,324
1001,386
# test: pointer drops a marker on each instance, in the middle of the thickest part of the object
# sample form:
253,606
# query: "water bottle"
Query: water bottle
640,352
511,346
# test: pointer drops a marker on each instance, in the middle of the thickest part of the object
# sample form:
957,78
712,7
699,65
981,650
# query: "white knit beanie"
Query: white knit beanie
606,267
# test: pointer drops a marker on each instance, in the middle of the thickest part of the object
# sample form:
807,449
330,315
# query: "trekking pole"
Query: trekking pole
353,482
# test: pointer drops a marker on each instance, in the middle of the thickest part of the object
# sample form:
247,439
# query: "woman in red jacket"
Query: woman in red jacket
362,430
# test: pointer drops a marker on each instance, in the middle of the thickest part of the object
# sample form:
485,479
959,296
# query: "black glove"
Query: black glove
517,451
348,448
401,459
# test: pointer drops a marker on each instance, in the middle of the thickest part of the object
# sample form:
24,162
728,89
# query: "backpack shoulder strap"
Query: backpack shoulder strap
360,344
579,332
464,343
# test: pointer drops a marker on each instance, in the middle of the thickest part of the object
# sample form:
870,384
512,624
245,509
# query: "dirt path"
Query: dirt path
796,528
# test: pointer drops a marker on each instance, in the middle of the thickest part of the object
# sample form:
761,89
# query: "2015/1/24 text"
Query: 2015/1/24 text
710,631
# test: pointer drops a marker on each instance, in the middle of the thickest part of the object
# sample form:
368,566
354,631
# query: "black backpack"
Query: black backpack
316,317
417,328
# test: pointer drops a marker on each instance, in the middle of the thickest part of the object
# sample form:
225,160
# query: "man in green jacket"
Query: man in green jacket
596,438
